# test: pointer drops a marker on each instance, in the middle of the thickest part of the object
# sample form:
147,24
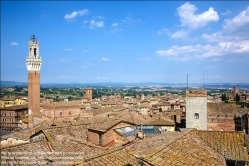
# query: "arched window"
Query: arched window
69,112
60,113
35,51
196,116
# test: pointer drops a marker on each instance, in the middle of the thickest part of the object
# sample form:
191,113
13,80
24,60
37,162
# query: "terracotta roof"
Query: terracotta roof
54,133
131,117
23,135
223,108
104,124
24,152
15,107
231,144
159,121
112,157
153,143
71,149
185,150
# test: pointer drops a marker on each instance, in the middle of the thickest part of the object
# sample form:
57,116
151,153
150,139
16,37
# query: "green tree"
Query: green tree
237,98
224,97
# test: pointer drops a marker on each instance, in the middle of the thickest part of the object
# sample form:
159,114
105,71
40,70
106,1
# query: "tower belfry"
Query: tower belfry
33,63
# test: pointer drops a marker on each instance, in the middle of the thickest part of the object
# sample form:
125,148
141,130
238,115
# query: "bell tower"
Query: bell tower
33,63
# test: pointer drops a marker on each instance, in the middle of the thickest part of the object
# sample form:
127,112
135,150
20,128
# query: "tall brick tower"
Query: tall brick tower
33,63
88,94
196,109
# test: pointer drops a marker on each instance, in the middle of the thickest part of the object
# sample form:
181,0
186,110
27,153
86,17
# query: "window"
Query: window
196,116
100,139
35,51
60,113
69,112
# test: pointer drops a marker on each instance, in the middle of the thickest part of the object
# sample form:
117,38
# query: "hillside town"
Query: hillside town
189,128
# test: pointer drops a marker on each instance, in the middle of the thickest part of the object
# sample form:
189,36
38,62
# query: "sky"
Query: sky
125,41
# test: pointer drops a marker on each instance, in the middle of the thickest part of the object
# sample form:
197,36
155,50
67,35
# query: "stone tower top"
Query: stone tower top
196,93
33,60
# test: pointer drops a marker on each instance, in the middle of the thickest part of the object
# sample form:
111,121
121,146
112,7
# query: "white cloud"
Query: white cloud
226,13
203,51
164,31
238,22
68,49
188,18
128,19
105,59
180,34
65,77
14,43
99,17
115,24
75,13
97,24
116,30
85,50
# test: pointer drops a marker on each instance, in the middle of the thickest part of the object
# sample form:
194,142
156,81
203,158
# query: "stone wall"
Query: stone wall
198,105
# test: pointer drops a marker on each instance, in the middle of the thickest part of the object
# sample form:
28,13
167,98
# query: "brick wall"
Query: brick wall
108,136
33,95
93,137
10,118
60,112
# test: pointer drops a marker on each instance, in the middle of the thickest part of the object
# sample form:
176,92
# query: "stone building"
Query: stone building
88,95
105,131
12,101
11,116
33,63
59,112
196,109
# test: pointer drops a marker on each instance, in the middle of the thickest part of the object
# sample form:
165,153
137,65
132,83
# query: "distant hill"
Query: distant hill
13,83
241,86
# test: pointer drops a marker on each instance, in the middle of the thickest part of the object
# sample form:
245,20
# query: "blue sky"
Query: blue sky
162,41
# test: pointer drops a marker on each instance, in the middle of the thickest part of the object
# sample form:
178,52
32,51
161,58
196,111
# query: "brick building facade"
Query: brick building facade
64,111
11,116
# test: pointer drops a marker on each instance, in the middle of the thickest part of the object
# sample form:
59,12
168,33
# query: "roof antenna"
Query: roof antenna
187,80
203,81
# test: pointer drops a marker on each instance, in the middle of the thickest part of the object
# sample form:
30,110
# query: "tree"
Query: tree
224,97
237,98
